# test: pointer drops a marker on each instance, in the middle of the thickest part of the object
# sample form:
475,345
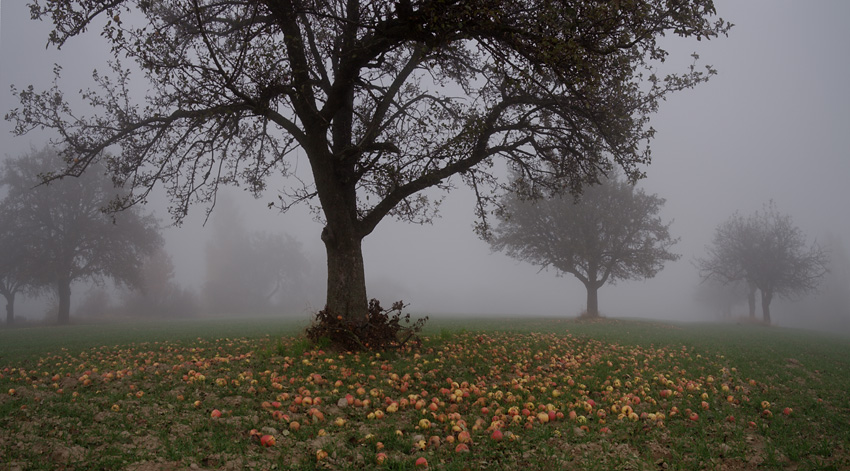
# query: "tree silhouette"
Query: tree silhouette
768,252
612,233
67,233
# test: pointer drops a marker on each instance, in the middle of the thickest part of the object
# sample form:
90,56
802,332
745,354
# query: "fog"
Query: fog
773,124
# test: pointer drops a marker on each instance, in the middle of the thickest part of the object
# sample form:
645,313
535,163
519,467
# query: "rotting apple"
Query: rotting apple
267,440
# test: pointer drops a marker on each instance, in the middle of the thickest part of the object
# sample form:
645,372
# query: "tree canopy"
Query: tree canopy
67,235
768,252
613,232
383,99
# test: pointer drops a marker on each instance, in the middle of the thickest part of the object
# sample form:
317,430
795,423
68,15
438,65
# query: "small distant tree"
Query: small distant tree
158,294
16,267
831,306
766,251
69,235
249,271
613,232
721,297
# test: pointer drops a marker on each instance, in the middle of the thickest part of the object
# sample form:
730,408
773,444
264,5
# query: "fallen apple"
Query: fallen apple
267,440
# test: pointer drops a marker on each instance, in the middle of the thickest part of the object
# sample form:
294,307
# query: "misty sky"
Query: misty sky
773,124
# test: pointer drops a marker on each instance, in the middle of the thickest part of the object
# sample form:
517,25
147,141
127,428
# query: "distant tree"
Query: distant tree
16,260
830,307
613,232
70,236
384,99
766,251
721,297
158,294
249,271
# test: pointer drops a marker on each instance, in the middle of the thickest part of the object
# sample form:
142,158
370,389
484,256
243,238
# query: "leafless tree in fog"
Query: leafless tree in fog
385,98
70,236
723,297
768,252
612,233
250,272
158,294
17,270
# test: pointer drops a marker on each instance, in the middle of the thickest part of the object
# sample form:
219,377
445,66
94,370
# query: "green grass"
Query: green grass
109,396
27,343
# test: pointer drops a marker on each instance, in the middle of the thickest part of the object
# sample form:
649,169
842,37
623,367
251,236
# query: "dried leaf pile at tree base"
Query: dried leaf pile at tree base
381,330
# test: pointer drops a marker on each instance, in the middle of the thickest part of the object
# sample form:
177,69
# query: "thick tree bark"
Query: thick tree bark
63,288
10,309
346,294
766,297
592,300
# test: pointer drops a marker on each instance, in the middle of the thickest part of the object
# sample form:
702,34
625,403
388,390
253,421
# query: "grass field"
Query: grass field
479,394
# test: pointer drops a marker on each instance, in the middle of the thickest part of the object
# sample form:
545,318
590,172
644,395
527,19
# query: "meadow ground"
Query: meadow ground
479,394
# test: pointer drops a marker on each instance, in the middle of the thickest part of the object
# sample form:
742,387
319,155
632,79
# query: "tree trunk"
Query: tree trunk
346,294
63,288
592,300
10,309
766,297
751,298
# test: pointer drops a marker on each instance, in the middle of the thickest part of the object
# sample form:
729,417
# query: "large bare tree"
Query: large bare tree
767,252
383,98
68,236
612,233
